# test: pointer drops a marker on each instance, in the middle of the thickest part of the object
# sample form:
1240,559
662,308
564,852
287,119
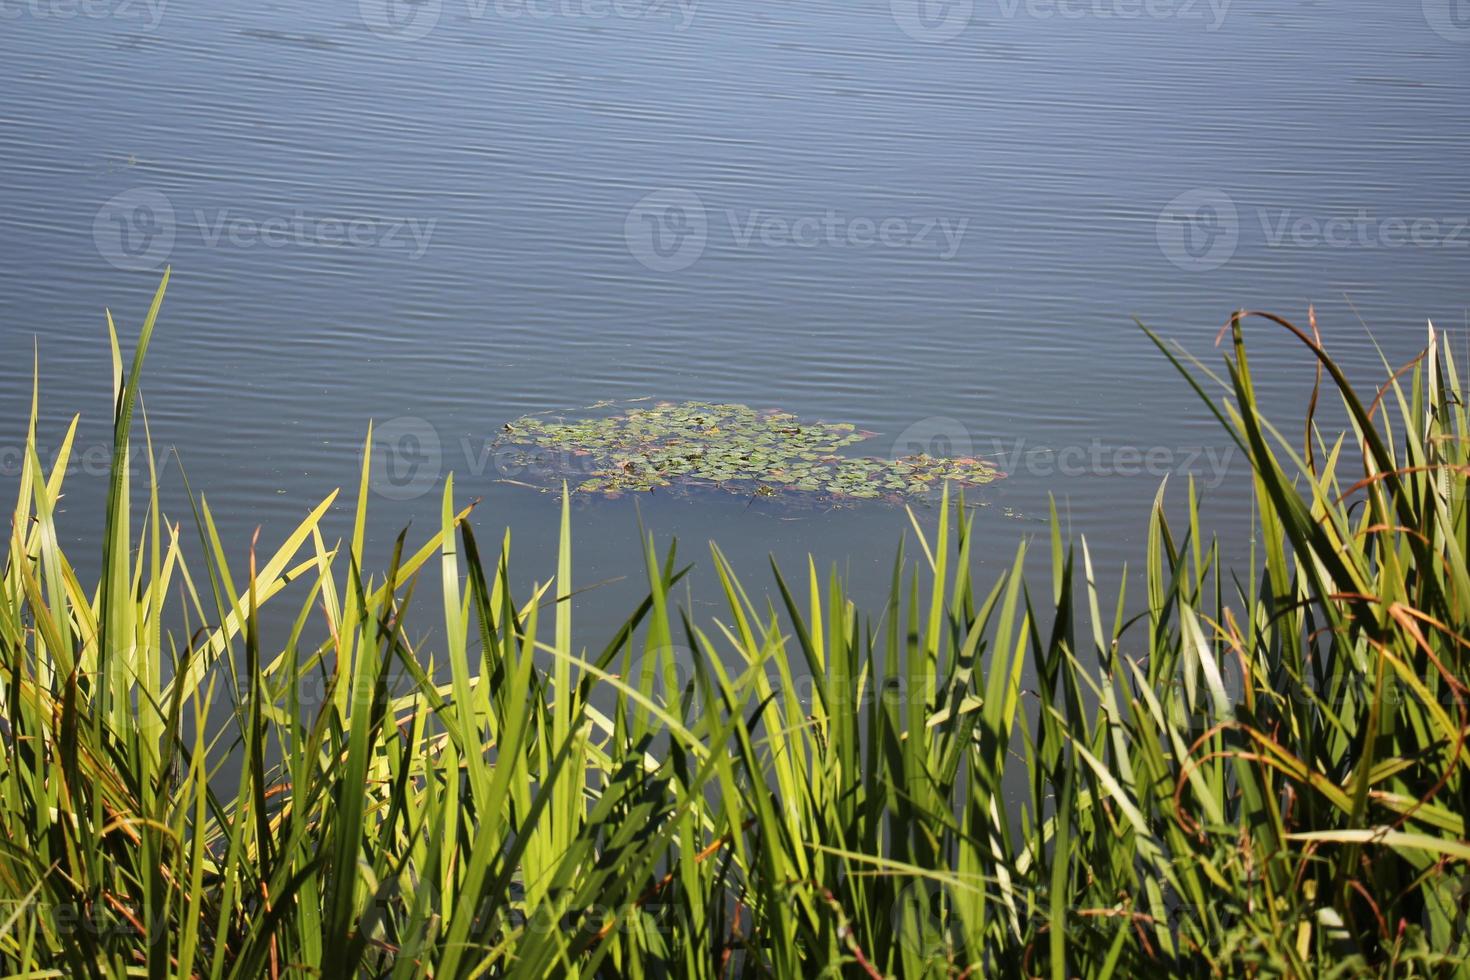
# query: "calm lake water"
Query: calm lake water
935,220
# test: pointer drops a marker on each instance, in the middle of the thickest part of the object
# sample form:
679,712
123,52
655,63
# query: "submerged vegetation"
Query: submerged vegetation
730,447
1258,771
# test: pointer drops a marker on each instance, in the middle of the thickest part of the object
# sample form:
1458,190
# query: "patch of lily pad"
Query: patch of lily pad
728,447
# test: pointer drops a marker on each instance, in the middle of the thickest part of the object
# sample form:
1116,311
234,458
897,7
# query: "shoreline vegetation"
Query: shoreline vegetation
1251,771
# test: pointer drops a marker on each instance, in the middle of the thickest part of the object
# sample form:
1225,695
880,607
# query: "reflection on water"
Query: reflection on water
936,219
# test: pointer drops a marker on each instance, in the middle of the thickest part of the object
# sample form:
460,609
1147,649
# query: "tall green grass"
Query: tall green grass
1249,771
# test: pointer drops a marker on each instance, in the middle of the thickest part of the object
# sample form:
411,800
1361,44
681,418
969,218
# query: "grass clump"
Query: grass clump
1260,773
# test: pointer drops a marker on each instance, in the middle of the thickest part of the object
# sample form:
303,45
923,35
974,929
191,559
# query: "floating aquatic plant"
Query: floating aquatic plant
727,446
1261,778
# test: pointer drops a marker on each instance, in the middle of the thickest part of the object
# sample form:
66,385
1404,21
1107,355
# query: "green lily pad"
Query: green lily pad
729,446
